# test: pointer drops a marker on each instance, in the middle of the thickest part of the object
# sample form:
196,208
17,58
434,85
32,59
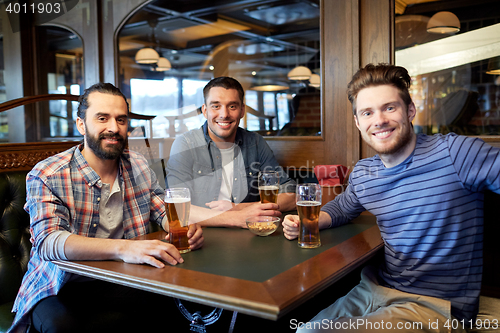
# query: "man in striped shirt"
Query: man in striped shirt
427,195
85,204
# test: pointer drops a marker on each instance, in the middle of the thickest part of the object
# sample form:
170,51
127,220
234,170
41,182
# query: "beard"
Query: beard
399,144
112,153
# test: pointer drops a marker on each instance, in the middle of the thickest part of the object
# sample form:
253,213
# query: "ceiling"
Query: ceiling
400,5
264,36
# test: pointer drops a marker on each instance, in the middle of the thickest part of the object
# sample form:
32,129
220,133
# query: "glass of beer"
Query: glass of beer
177,205
269,186
308,204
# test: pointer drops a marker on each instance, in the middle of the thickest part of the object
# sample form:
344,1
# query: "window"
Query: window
173,101
258,44
452,85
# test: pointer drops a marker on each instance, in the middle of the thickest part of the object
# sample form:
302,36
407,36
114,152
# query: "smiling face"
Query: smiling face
223,110
105,125
384,122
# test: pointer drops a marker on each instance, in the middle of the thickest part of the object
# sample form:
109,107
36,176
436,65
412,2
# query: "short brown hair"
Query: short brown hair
376,75
226,83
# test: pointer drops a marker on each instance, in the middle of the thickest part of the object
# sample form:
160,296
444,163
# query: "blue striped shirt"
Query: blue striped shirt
429,209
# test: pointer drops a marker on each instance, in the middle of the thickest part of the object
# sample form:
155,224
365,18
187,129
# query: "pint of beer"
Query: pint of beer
269,186
177,206
308,205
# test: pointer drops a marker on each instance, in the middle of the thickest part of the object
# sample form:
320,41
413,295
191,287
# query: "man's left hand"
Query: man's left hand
195,236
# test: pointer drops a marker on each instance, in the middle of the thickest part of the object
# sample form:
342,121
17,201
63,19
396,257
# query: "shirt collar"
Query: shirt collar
89,175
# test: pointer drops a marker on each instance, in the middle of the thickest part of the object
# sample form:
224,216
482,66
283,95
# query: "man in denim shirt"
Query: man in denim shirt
220,161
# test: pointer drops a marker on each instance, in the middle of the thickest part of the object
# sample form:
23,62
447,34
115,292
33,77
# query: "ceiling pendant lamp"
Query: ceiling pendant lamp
147,55
443,23
267,84
315,81
270,87
493,66
299,73
163,65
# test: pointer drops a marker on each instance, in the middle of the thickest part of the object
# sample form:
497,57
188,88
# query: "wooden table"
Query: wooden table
238,271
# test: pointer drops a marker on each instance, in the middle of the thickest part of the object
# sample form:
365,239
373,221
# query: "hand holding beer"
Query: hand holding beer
177,206
269,186
308,205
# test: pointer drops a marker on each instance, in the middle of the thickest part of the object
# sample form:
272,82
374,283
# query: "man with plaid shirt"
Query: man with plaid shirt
85,204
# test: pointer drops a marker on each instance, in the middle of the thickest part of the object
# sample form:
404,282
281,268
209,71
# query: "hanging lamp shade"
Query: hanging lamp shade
163,65
299,73
315,81
146,55
268,84
270,87
493,66
443,23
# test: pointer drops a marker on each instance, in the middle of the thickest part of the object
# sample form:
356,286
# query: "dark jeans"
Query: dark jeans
98,306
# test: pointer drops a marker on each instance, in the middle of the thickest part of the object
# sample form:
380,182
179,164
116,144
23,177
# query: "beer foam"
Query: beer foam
308,203
177,200
269,187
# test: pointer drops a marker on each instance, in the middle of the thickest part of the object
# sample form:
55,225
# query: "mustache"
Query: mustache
115,136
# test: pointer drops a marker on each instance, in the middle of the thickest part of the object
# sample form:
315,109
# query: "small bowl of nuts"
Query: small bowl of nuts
263,225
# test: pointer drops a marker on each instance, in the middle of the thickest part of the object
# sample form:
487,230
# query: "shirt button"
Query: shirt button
99,199
95,225
199,171
235,178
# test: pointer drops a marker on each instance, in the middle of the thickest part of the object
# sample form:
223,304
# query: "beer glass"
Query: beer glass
308,205
177,205
269,186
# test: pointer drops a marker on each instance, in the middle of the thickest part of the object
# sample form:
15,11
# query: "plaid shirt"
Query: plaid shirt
63,193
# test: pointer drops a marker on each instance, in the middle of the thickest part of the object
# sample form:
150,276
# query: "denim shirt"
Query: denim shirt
196,163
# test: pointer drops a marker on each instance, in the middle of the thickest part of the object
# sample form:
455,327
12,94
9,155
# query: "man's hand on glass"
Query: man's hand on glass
156,252
256,209
195,237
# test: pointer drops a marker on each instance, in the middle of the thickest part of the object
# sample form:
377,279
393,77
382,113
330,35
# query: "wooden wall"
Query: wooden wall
24,156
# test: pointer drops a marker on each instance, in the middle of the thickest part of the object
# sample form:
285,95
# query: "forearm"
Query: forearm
207,217
234,217
86,248
286,201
